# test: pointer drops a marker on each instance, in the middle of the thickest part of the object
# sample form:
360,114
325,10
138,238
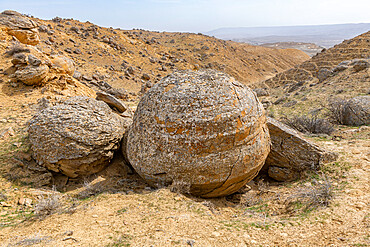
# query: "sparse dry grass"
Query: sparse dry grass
90,189
306,199
179,186
32,240
336,109
48,206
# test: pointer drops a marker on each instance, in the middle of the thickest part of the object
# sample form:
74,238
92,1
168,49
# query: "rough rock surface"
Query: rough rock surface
76,137
291,154
62,64
357,111
202,129
32,75
20,26
111,101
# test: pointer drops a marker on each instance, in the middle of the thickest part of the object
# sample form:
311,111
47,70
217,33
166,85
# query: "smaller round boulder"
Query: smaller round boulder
32,75
357,111
76,137
62,64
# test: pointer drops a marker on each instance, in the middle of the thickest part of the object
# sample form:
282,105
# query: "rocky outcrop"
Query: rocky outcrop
76,137
291,154
20,26
356,111
202,129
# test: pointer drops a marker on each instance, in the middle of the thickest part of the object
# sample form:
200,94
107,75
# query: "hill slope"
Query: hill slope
323,35
314,70
125,56
116,207
340,72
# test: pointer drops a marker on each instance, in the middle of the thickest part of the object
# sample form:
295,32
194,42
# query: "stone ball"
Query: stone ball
356,111
76,137
32,75
62,64
201,129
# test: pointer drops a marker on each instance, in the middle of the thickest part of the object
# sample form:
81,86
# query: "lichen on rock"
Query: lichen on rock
200,128
76,137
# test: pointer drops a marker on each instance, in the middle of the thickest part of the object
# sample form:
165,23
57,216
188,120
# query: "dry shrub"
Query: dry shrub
17,48
36,239
311,124
48,206
250,200
90,190
179,186
336,110
309,198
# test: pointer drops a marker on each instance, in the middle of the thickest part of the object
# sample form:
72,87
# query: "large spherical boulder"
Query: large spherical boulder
76,137
202,129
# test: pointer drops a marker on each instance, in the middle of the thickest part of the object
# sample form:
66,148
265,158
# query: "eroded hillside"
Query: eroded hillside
116,207
128,58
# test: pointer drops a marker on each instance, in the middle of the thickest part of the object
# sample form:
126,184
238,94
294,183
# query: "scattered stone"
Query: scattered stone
19,58
62,64
7,133
111,101
200,129
33,60
87,78
340,68
20,26
359,65
77,75
291,154
280,100
76,30
43,28
146,77
106,40
290,103
68,50
76,137
261,92
77,51
25,202
323,74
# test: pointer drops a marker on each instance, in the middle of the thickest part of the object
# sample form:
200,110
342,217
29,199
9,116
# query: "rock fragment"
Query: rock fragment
291,154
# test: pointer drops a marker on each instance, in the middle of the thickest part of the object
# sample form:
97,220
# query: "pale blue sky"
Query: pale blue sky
197,16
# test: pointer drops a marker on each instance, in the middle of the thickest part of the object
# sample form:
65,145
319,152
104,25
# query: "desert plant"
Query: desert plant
123,240
309,124
49,205
16,48
336,110
36,239
90,190
179,186
308,198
